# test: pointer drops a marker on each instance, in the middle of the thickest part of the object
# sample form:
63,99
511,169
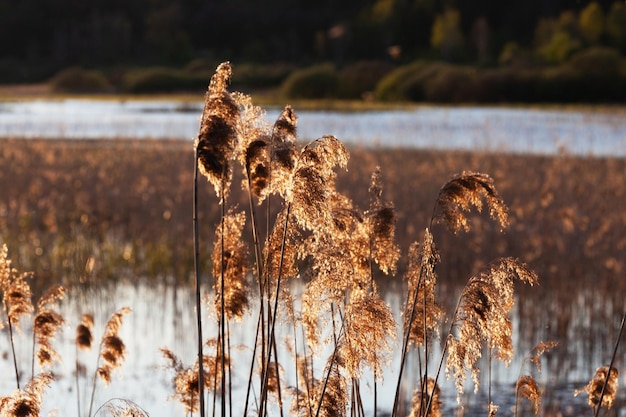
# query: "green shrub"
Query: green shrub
597,61
319,81
453,84
163,80
508,84
79,80
361,78
394,86
260,76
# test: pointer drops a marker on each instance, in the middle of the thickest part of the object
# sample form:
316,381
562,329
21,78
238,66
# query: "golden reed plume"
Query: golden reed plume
422,396
482,316
526,387
84,336
595,386
381,221
234,263
112,348
421,277
467,190
16,293
46,324
26,402
217,138
185,381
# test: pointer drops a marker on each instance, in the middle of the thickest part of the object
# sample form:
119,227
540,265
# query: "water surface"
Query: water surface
544,131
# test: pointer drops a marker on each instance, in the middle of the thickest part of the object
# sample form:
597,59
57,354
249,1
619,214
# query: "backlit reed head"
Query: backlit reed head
526,387
467,190
230,262
595,386
381,220
482,317
46,324
421,277
313,182
217,138
16,292
84,336
26,402
112,348
186,381
422,396
369,329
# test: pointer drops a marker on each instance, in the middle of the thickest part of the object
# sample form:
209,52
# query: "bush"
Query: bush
394,86
597,61
453,84
260,76
319,81
79,80
360,78
163,80
508,85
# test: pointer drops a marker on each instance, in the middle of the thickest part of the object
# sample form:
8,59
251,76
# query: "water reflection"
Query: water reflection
583,322
577,131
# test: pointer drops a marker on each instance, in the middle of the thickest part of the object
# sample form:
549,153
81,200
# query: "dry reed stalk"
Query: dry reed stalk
602,387
214,151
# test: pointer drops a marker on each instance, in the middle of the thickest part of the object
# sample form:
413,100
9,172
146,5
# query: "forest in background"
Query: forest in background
175,45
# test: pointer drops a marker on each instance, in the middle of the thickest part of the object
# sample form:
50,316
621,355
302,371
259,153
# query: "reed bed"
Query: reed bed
276,209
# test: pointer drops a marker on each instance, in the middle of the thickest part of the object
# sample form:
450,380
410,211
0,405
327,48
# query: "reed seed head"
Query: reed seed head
483,317
369,328
230,262
217,138
594,387
421,277
26,402
84,337
422,396
112,348
526,387
465,191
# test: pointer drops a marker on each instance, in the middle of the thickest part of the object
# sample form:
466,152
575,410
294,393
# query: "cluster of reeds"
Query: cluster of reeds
339,324
47,322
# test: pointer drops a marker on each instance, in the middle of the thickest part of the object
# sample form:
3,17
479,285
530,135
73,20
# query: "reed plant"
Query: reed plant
315,234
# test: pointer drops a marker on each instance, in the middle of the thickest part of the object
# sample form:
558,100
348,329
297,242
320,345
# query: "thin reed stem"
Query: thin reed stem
196,262
608,373
405,345
256,344
222,300
17,373
273,313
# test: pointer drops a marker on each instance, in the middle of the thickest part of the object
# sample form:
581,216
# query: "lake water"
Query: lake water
544,131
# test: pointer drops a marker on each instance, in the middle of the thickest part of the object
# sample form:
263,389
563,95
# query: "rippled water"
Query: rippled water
577,131
164,317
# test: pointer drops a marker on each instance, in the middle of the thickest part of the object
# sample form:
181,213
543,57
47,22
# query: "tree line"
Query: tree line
41,37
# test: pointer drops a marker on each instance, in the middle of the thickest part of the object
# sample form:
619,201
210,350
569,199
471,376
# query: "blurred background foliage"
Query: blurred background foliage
449,51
